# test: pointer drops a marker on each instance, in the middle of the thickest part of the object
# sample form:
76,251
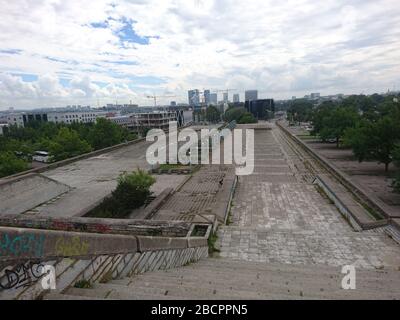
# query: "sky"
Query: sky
56,53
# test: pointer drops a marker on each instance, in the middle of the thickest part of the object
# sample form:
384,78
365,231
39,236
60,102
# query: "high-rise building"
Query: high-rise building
236,98
225,97
214,98
250,95
194,98
207,97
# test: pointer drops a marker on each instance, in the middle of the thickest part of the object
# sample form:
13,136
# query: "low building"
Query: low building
160,119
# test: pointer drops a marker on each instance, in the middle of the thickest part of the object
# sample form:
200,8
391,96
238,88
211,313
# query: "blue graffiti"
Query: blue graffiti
25,244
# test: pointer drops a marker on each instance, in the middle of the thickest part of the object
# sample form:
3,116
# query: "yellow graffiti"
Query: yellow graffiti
71,247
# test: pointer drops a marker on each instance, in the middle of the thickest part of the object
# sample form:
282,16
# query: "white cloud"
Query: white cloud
281,48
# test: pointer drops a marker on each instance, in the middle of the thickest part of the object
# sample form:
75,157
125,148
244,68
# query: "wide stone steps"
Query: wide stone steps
217,278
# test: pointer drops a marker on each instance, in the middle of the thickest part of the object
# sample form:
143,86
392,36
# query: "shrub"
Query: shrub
133,189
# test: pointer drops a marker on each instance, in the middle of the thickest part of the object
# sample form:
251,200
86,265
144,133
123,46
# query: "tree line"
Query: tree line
62,141
369,125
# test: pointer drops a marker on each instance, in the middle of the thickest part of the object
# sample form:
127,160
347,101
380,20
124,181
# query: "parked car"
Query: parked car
41,156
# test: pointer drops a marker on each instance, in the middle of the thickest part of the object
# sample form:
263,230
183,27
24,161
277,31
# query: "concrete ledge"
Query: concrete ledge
224,198
160,243
357,216
99,225
25,244
197,242
396,222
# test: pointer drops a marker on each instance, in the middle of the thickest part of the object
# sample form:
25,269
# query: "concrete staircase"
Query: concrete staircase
218,278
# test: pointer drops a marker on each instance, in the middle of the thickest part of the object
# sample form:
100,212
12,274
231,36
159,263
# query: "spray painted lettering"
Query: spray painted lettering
71,247
23,275
24,244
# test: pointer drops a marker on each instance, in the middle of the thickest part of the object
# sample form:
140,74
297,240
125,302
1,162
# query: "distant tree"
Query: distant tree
67,144
213,114
300,110
319,114
234,114
105,134
247,118
374,140
11,164
334,122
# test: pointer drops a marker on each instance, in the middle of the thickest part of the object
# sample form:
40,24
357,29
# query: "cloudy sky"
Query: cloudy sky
59,52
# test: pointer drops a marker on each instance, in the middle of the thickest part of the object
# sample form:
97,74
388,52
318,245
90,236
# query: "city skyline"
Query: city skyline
56,54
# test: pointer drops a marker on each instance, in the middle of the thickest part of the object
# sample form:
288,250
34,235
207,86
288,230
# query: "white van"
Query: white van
41,156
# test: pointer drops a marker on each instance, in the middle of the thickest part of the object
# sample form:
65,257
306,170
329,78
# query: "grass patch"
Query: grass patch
212,240
372,212
83,284
107,277
167,166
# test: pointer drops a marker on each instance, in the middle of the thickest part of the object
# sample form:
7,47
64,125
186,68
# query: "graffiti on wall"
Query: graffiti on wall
21,244
24,275
71,247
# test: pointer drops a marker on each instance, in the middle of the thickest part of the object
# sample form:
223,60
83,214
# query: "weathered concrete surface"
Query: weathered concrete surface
205,193
21,194
281,217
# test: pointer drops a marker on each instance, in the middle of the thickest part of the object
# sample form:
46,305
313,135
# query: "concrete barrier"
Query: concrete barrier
354,213
99,225
83,256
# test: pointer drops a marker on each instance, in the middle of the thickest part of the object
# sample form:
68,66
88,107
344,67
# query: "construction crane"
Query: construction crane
156,97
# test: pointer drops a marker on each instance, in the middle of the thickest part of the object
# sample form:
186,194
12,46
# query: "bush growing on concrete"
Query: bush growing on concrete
132,191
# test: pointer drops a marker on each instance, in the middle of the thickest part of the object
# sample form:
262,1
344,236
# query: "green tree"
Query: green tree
374,140
234,114
300,110
105,134
247,118
10,164
212,114
67,144
133,189
335,122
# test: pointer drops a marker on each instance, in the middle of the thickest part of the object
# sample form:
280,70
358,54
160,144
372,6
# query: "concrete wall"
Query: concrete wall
78,256
99,225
